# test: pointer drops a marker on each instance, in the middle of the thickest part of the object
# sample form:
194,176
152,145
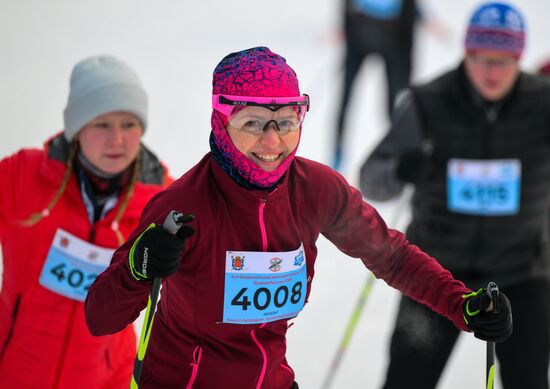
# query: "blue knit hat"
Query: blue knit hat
496,27
100,85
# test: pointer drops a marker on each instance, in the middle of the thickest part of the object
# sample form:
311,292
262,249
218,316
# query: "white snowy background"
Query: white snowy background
174,46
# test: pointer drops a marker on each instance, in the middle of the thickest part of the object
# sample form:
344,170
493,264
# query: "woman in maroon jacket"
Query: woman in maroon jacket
248,259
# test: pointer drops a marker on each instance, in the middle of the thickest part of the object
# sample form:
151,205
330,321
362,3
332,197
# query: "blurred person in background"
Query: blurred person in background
63,211
234,276
475,142
544,69
384,28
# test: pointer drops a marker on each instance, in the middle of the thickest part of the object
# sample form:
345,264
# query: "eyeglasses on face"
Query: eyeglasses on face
255,115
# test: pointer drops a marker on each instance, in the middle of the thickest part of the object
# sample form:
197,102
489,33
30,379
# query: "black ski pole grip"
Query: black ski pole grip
492,290
173,222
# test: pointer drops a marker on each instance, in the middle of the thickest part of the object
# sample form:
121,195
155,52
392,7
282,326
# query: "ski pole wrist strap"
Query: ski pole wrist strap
467,314
135,270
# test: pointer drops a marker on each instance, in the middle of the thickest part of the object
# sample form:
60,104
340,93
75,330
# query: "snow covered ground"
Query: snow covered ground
174,46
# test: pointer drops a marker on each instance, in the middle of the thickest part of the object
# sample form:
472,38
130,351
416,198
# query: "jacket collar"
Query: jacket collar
57,148
241,196
465,89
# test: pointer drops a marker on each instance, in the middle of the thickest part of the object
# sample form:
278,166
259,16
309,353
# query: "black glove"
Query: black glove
489,326
157,252
412,165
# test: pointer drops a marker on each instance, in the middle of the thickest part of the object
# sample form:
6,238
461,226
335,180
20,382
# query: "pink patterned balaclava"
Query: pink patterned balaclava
256,72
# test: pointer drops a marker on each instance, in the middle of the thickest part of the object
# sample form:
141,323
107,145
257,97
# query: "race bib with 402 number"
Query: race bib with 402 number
262,287
72,265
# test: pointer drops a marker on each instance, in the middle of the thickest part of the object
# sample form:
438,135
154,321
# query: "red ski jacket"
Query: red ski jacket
44,340
190,346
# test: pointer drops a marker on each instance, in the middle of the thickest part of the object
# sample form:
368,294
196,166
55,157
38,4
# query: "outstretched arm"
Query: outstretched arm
399,157
358,230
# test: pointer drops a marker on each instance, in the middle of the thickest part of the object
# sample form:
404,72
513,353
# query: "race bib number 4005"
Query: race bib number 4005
261,287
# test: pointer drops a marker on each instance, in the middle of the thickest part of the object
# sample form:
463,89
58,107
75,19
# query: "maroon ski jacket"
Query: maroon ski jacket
190,347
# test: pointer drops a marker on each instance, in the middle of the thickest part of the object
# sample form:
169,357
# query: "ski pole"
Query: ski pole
492,290
363,297
348,332
172,223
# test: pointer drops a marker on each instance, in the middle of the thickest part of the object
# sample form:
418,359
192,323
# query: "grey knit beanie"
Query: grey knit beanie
101,85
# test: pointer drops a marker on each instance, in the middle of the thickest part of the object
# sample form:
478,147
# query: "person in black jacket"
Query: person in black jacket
382,27
475,143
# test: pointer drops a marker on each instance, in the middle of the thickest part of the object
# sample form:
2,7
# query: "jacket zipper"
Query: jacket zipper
108,359
92,234
264,356
197,353
66,341
68,334
491,117
12,326
261,221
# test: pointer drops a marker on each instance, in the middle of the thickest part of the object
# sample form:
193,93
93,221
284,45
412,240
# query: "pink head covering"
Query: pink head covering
256,72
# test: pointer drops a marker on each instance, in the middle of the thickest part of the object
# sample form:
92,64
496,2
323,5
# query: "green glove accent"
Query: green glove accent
136,274
492,326
467,310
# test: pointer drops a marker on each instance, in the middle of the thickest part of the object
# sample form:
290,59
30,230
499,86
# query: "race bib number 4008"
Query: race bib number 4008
261,287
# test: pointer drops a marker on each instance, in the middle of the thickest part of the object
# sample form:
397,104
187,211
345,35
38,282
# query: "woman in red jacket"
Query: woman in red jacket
63,211
246,263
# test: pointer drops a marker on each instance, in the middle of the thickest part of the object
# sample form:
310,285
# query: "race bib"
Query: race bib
484,187
262,287
379,9
72,265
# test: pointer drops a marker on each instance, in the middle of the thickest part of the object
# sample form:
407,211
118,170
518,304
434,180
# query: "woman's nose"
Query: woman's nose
271,136
116,134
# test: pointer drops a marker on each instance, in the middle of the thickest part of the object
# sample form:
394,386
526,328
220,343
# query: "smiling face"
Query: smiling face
111,141
492,74
265,136
268,149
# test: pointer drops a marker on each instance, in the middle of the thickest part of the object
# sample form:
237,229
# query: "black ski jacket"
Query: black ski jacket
447,119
